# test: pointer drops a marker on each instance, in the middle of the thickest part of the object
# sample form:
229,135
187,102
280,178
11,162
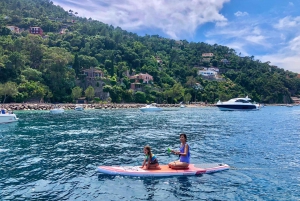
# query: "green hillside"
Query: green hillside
49,67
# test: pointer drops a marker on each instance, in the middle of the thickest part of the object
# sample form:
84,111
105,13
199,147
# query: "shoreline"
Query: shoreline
71,106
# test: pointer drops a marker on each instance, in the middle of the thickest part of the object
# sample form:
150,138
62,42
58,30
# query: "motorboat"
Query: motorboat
7,117
238,104
182,105
151,108
79,108
57,111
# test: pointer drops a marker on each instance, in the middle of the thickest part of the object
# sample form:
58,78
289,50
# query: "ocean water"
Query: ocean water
55,157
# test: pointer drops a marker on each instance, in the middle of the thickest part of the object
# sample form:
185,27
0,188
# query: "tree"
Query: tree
176,92
140,97
89,92
76,92
187,97
8,89
76,65
58,75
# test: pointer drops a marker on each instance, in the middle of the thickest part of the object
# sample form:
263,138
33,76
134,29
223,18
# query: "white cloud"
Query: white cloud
288,22
291,63
241,32
240,14
175,18
287,57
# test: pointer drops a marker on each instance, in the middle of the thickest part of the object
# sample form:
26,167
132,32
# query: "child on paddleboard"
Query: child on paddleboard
184,153
150,160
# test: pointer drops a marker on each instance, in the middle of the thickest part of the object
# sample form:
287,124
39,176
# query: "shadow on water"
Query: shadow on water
103,177
150,186
182,188
56,156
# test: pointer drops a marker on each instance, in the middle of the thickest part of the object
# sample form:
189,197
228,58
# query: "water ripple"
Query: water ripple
55,157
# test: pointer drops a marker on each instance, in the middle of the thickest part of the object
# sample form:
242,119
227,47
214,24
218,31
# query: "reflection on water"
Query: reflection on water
55,157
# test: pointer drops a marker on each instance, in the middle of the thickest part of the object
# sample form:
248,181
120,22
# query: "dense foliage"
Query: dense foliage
47,68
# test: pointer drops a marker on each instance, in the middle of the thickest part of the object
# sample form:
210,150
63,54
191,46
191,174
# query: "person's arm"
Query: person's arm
175,152
143,163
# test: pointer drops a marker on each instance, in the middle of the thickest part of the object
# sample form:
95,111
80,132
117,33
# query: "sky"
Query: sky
269,30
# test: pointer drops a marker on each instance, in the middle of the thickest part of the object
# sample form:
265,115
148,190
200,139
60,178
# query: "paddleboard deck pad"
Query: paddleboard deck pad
164,171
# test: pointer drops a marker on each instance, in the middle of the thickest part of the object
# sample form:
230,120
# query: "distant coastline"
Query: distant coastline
71,106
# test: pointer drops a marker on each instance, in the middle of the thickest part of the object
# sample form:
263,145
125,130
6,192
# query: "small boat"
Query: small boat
238,104
7,117
79,108
57,111
289,105
182,106
150,108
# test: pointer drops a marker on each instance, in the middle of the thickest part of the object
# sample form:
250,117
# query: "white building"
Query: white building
208,72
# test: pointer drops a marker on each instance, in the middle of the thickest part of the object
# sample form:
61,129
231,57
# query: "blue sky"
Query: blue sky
266,29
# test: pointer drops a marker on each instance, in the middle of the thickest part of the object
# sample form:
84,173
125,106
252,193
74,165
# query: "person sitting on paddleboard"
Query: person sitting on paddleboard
184,153
150,160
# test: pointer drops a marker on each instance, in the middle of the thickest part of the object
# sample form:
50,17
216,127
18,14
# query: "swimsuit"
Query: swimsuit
153,159
186,158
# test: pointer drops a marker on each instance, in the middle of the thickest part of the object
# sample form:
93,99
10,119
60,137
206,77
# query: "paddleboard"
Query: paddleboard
164,171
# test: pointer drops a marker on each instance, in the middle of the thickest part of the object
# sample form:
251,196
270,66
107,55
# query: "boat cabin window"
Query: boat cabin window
242,101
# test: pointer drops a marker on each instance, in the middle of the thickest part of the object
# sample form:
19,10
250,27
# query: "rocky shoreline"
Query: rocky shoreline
69,106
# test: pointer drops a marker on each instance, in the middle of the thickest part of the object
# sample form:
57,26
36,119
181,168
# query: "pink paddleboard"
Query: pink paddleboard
164,171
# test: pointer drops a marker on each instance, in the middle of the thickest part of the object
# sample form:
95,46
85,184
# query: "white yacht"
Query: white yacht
7,117
57,111
79,108
237,104
150,108
182,105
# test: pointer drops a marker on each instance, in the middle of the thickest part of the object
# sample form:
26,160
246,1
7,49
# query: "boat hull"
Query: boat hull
8,118
78,108
228,107
151,109
57,111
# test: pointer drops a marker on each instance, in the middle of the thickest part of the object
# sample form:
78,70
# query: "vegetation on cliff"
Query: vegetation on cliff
47,68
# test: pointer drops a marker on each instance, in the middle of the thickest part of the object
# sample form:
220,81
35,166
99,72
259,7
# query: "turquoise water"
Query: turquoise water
55,157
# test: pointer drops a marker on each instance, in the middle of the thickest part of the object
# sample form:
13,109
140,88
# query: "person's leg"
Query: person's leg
154,166
179,165
171,164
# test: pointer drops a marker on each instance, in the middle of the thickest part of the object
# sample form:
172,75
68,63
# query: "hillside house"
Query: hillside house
208,72
136,86
146,78
178,42
205,60
225,61
13,29
159,60
36,31
296,100
213,69
93,73
207,54
62,30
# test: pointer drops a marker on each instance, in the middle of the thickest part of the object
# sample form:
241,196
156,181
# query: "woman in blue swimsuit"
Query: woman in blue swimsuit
184,161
